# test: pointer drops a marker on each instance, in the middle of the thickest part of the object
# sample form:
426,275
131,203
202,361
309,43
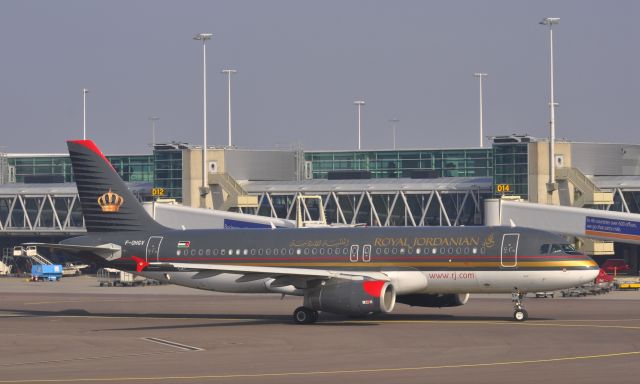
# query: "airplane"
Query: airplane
349,271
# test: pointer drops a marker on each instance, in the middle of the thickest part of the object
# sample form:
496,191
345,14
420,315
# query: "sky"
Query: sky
302,64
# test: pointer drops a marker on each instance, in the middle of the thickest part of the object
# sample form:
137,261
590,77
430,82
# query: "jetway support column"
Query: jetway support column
492,212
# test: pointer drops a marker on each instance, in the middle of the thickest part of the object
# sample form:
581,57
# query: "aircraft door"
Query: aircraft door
153,248
509,250
366,253
353,253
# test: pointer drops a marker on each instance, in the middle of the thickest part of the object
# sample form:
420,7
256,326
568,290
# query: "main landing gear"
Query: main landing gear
304,315
519,313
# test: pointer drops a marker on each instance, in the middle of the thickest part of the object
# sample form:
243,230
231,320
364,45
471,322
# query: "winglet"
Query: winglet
140,264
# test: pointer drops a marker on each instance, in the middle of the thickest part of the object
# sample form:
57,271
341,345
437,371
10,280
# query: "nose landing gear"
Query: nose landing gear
519,313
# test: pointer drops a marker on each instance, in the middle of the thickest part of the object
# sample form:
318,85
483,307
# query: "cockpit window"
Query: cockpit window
569,249
558,248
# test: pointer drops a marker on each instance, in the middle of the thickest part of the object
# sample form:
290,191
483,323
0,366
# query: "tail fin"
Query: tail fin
107,204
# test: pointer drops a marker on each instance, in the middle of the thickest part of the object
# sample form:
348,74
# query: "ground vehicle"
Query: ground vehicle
40,272
615,266
603,277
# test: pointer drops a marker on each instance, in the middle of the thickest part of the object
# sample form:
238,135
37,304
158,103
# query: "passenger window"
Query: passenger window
223,252
260,251
246,252
298,251
314,251
434,250
418,251
253,252
208,252
544,249
267,252
231,252
238,252
330,251
193,252
275,252
215,252
306,251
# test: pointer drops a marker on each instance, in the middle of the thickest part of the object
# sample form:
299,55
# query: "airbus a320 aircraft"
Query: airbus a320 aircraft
350,271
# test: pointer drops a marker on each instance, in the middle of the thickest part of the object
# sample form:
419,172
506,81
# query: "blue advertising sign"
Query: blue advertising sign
622,229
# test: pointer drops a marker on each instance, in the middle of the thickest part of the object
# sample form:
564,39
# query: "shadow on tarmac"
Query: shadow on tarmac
230,320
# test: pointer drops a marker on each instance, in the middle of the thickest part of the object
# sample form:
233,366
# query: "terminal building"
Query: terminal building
409,187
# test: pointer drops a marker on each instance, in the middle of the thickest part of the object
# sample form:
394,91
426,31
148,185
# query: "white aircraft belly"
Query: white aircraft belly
505,280
436,281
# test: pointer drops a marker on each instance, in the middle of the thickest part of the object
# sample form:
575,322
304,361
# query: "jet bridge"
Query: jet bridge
581,222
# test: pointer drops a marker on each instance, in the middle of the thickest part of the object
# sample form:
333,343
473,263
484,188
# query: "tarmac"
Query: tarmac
74,331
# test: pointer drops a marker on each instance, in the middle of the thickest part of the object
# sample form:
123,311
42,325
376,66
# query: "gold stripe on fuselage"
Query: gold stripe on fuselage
453,264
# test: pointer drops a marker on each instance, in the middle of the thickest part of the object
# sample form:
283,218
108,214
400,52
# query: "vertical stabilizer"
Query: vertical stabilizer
107,203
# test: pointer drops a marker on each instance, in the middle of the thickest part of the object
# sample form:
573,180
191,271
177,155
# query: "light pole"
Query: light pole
229,72
204,189
393,130
154,120
480,76
551,185
84,113
359,103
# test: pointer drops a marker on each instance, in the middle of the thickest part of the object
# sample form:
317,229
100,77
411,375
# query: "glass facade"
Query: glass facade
133,168
511,169
405,163
506,163
168,172
58,167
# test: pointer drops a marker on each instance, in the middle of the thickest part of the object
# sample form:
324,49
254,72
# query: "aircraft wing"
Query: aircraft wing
283,276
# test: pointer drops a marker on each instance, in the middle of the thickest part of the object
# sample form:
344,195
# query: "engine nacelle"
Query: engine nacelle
353,298
434,300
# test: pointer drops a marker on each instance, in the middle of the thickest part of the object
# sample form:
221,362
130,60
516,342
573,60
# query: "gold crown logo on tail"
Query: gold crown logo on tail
110,202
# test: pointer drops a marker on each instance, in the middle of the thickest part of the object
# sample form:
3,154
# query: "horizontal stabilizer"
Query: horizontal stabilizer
105,251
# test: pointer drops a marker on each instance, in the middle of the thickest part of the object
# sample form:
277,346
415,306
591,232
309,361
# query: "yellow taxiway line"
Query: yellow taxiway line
319,373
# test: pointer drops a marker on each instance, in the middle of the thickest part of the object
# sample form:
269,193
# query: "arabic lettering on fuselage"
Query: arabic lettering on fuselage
320,243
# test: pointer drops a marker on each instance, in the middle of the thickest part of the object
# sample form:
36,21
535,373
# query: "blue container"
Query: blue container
46,272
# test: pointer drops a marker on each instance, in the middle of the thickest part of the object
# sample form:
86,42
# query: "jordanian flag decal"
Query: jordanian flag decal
184,244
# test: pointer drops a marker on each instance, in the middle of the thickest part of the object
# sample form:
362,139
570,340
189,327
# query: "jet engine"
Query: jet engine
352,298
434,300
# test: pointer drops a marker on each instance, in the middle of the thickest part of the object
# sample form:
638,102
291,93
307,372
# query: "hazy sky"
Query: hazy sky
301,64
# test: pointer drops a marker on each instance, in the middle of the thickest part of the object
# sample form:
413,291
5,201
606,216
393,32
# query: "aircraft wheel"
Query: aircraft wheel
303,315
520,315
